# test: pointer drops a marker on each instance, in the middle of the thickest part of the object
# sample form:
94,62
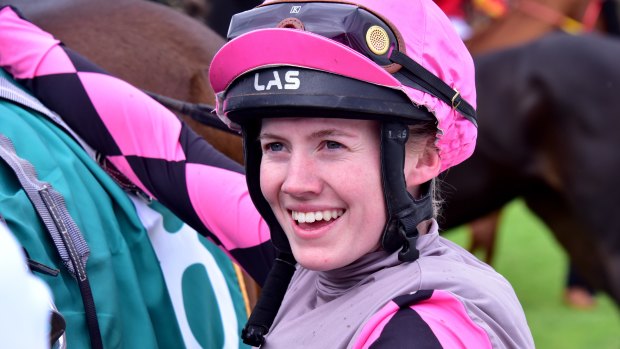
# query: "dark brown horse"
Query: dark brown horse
528,20
549,133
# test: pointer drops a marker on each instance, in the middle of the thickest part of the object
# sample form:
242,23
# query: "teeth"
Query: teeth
311,217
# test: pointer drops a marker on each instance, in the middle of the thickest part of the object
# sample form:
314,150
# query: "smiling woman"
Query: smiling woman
303,174
378,109
345,131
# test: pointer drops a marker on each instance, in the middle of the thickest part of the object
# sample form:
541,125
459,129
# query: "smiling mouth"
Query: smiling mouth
315,219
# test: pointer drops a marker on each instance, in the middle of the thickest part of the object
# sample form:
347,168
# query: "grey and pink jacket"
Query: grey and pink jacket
447,298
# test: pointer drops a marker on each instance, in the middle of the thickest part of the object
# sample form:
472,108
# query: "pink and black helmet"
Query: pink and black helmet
369,44
396,61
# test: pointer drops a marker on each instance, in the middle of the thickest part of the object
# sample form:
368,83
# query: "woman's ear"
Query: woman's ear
421,165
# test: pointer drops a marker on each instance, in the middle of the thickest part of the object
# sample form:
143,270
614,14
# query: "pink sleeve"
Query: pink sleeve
440,319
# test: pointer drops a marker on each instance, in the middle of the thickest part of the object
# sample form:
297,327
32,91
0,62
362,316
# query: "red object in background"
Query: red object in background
457,8
452,8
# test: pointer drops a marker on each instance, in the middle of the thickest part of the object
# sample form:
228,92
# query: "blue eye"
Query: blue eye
333,145
274,146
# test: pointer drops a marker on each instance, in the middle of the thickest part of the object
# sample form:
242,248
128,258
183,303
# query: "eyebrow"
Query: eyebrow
318,134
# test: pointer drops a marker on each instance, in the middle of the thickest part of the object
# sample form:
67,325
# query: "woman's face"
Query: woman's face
322,180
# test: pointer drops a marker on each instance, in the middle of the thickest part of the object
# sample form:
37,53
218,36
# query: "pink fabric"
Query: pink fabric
373,328
430,40
234,213
27,61
264,47
449,321
153,119
444,314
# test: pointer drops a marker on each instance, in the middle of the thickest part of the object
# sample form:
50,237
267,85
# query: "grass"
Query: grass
529,257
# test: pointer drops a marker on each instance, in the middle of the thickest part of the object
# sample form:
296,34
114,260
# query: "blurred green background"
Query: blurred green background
530,258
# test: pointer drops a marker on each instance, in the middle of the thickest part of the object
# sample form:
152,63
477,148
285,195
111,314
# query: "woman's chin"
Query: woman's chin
319,260
315,262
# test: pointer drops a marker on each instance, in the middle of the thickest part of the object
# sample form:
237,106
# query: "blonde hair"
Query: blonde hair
421,136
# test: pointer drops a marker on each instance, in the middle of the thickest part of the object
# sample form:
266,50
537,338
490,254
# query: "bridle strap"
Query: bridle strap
203,113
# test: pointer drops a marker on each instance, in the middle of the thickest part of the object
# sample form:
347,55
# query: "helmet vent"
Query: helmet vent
291,23
377,40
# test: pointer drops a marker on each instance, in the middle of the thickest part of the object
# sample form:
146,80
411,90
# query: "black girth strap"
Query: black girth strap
434,85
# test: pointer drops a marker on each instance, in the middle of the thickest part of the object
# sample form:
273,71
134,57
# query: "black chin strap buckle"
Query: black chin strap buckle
254,335
409,252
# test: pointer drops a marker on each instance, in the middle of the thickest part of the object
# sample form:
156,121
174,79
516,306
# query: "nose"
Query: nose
302,177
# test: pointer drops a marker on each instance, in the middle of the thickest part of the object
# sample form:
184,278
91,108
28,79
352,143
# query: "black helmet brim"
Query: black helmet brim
301,92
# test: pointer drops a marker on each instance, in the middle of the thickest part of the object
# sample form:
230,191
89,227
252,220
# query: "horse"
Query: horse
548,134
524,21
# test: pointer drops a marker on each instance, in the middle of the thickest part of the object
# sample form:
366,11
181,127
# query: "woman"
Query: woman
348,113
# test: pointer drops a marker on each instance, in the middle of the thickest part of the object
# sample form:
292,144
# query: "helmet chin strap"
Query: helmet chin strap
269,302
404,212
276,284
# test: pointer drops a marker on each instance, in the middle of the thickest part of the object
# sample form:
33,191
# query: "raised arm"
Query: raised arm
144,140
